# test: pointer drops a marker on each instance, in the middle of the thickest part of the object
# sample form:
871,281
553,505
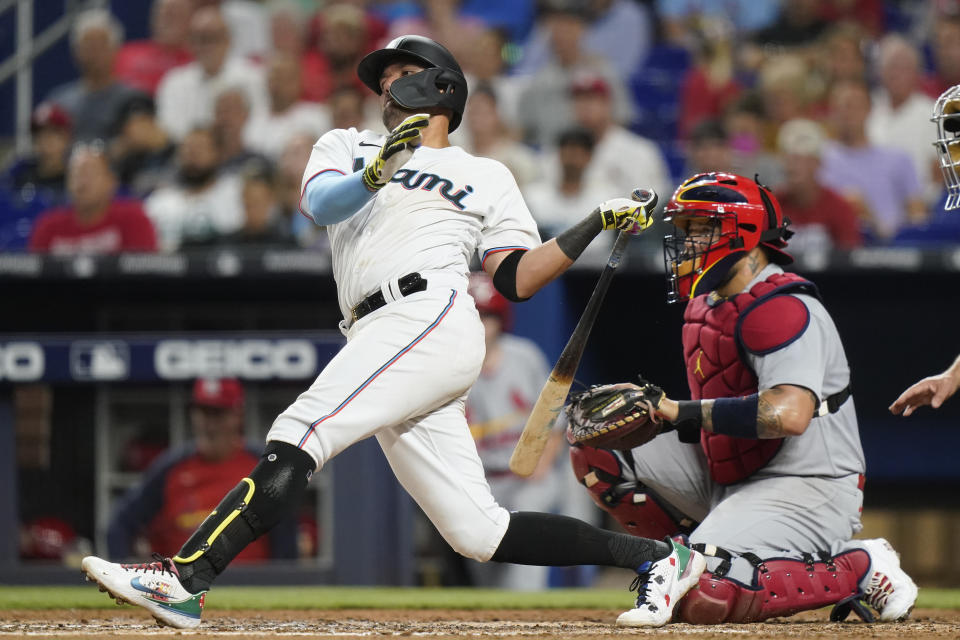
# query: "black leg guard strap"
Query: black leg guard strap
253,507
558,541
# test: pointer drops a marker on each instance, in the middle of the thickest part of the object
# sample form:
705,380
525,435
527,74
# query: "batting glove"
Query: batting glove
625,214
397,149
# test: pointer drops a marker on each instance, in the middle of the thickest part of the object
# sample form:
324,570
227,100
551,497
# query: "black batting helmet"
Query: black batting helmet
440,84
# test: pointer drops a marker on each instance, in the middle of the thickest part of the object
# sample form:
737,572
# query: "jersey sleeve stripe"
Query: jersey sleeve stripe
304,191
489,252
383,368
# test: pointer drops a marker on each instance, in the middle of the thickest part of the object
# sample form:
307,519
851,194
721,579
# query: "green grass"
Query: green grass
87,597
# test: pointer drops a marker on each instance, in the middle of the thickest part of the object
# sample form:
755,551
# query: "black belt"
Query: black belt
410,283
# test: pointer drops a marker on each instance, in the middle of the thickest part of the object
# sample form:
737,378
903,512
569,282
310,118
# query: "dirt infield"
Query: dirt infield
589,624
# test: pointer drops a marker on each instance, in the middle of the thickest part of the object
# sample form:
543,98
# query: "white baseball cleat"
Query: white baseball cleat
889,590
661,584
155,586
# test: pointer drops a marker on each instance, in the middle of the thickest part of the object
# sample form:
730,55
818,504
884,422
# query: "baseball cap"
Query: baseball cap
800,136
49,114
590,85
223,393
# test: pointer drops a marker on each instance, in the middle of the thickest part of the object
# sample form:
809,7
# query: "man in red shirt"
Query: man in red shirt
142,63
817,213
93,222
184,485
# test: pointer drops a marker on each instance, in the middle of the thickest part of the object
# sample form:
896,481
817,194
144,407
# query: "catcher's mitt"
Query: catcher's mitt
614,416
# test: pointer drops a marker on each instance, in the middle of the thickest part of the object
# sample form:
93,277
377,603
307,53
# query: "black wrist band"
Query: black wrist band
689,420
575,239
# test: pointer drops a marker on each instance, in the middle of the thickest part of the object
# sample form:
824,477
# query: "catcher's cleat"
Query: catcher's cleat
890,590
155,586
661,584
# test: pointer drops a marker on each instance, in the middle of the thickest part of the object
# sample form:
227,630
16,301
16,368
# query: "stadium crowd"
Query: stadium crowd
198,135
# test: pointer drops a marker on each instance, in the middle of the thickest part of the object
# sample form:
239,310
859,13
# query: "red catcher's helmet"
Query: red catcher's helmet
488,299
744,213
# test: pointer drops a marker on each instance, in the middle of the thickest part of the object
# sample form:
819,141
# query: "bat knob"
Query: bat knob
648,197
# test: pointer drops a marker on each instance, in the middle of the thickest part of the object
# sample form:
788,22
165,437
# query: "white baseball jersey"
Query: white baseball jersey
437,210
405,371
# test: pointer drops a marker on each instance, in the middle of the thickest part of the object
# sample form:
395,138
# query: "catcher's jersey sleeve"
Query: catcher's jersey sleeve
831,444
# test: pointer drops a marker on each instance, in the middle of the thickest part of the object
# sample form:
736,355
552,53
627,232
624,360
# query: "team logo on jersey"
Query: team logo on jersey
411,179
698,369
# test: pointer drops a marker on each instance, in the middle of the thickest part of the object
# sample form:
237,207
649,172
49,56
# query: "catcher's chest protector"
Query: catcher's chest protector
716,368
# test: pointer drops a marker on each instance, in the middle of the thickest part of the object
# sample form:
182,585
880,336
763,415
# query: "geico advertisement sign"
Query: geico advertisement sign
21,361
251,359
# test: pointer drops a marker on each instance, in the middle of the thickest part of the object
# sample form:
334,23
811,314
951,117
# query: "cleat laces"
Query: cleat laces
640,584
160,565
879,591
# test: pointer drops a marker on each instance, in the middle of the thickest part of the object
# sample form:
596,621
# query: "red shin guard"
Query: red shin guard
635,508
781,587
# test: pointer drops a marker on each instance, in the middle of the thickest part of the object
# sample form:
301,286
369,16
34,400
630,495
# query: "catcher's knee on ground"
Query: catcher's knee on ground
253,507
638,510
779,587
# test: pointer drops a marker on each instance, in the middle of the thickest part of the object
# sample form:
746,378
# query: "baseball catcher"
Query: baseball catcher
762,466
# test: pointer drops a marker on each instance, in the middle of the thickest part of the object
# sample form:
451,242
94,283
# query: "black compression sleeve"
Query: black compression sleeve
575,239
550,540
505,277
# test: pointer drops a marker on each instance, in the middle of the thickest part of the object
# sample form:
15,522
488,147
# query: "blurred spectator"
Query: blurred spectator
341,44
94,221
44,170
268,133
900,114
290,168
624,22
264,223
799,23
142,152
841,54
869,14
347,107
565,200
202,205
546,107
620,157
36,182
708,148
374,30
288,33
249,27
489,137
879,182
819,216
231,118
486,64
710,86
746,125
185,484
95,98
747,16
186,94
788,89
443,21
945,45
142,63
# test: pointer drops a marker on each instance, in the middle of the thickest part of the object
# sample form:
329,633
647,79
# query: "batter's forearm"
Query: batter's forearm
540,266
332,197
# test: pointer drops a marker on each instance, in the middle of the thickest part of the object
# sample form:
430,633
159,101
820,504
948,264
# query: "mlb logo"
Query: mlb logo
105,360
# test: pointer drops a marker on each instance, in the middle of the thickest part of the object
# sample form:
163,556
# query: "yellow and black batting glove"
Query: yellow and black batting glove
396,151
625,214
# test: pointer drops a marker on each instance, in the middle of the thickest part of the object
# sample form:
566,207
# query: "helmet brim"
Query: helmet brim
372,65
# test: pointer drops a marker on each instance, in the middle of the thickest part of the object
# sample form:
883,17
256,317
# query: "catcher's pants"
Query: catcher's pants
403,376
779,516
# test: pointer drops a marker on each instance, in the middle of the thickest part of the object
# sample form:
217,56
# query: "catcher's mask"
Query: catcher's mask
741,215
440,84
946,115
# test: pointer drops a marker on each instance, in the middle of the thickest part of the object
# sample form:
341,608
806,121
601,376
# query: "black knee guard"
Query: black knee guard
253,507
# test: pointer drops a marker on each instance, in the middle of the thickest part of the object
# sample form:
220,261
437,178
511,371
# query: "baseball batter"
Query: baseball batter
935,390
405,213
766,455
